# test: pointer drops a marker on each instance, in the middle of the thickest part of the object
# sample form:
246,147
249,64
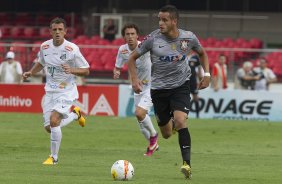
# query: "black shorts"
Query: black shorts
193,85
166,101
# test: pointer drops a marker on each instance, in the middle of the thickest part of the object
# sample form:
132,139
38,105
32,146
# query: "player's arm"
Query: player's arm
136,83
204,83
116,72
35,69
119,64
82,66
75,71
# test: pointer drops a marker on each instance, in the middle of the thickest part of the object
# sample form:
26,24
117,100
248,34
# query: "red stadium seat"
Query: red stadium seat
96,66
30,32
5,31
17,32
44,33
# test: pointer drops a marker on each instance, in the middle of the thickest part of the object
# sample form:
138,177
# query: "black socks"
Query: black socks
185,144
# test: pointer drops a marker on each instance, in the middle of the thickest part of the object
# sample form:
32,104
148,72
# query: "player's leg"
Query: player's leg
143,104
58,105
56,133
180,104
162,111
140,118
55,137
71,116
68,99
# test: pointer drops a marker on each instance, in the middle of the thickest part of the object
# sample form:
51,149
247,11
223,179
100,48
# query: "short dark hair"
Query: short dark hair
129,25
172,10
58,20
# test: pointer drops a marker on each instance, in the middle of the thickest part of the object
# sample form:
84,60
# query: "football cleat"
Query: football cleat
186,170
81,119
151,151
153,145
50,161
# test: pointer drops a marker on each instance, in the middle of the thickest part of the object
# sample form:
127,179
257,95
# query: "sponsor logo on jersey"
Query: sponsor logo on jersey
184,44
173,46
62,85
173,58
124,51
45,47
69,48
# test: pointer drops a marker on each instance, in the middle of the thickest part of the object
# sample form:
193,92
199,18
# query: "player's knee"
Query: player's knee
166,135
140,115
180,122
55,119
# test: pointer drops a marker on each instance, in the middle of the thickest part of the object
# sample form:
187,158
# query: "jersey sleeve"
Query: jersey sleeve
119,59
41,58
145,45
196,45
80,61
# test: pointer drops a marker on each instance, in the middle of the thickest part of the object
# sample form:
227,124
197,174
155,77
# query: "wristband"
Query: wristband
206,74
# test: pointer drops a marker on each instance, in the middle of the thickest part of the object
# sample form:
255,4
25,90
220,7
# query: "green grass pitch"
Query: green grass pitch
223,152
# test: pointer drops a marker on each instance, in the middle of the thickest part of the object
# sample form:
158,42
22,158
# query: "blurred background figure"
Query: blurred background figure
10,70
267,75
110,30
196,76
245,77
219,73
39,77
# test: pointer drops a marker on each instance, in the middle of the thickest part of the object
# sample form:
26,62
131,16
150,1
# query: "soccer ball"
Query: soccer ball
122,170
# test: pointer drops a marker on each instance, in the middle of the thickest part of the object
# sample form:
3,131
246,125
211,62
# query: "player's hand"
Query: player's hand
205,82
66,68
116,73
26,75
137,86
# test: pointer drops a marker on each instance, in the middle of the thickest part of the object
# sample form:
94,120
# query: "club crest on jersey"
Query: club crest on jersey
63,57
45,47
69,48
184,45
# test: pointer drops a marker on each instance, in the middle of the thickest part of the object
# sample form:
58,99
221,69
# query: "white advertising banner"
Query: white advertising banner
239,105
224,104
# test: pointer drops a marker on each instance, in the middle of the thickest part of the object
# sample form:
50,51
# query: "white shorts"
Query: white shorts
60,102
143,100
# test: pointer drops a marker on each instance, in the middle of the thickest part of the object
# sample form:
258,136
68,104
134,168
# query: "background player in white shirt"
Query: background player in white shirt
62,60
142,101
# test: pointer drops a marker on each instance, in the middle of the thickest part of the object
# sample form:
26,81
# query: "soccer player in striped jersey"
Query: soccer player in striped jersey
169,47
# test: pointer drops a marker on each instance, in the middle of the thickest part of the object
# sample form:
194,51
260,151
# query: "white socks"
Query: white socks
56,137
144,131
147,124
71,116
